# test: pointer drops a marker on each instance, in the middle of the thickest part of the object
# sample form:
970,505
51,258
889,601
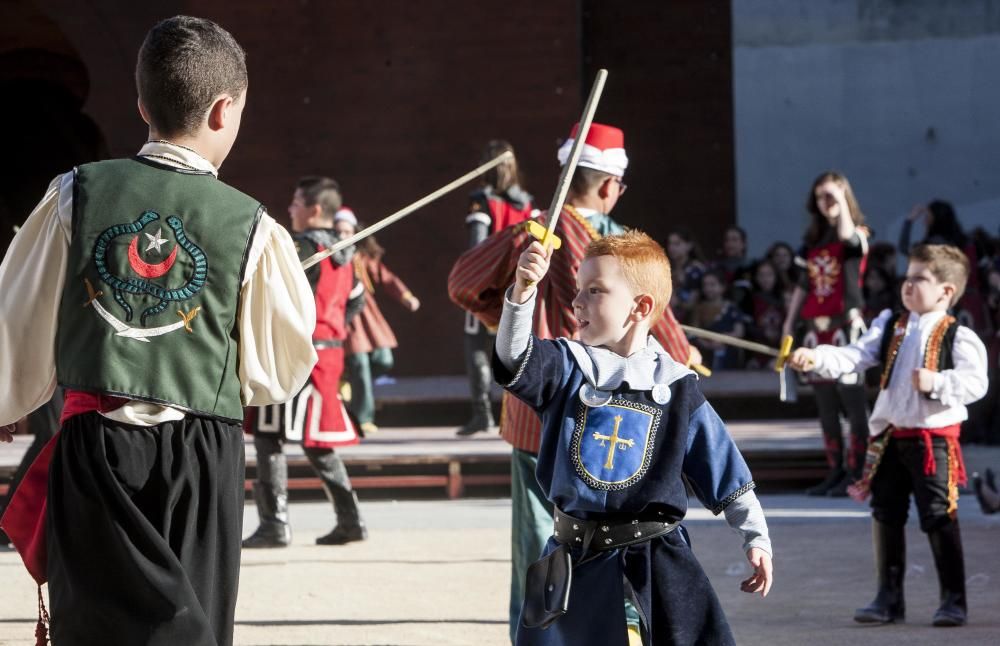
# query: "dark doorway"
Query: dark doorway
43,86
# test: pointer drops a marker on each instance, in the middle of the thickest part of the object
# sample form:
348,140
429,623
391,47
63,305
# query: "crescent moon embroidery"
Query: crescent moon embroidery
145,269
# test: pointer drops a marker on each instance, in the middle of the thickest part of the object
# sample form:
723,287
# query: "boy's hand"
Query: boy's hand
803,359
760,580
923,380
7,433
694,357
531,268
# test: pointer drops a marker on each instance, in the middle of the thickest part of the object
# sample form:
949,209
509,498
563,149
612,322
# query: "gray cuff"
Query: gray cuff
514,332
746,517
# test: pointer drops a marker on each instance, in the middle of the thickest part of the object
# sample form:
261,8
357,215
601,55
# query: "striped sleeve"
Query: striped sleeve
670,335
482,274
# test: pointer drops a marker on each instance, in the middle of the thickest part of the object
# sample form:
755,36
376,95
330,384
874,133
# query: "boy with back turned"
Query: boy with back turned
163,301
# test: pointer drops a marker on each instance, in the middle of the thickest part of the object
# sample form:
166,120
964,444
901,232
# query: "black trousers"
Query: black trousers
832,399
901,473
143,534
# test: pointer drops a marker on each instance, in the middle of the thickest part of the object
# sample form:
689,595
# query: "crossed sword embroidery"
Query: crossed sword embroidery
139,334
616,442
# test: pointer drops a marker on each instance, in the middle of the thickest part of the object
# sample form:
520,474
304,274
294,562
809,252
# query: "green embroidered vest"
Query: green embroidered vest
149,308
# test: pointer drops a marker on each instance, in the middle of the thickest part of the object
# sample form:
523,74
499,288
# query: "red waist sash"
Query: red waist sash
24,518
949,433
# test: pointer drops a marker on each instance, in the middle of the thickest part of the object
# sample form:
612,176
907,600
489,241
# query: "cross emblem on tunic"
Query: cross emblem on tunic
615,443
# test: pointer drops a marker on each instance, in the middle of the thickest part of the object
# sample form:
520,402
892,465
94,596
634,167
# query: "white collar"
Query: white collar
607,371
587,213
923,320
177,156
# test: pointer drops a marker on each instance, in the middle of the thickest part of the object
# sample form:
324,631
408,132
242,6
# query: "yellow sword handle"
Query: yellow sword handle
704,371
540,233
543,235
783,352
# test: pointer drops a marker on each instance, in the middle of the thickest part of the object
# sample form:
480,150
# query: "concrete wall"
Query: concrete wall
900,96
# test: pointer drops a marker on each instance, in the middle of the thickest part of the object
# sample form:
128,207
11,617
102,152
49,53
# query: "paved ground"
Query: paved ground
436,572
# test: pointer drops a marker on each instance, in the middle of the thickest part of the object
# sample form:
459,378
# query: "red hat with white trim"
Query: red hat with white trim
345,214
603,150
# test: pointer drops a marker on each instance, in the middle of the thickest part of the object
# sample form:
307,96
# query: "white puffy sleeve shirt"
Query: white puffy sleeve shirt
276,322
900,404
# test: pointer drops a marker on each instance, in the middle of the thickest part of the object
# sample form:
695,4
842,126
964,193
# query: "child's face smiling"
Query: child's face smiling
603,303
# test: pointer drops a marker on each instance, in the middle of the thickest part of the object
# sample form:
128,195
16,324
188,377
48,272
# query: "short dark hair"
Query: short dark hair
947,263
183,65
324,191
739,230
586,180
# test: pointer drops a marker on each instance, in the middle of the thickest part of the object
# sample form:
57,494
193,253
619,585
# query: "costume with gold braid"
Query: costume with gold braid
877,445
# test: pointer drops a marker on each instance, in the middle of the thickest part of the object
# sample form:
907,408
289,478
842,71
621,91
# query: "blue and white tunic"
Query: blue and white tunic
621,439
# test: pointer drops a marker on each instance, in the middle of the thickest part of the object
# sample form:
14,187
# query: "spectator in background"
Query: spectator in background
782,258
941,226
734,267
883,256
714,312
879,291
687,269
767,309
829,295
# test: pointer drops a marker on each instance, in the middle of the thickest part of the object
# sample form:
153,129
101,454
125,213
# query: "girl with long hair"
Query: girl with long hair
828,302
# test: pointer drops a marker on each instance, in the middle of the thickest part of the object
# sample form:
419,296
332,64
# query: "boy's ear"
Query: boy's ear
949,292
218,115
142,111
643,307
603,190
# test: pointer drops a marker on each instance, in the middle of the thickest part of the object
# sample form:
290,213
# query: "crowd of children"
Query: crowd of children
748,297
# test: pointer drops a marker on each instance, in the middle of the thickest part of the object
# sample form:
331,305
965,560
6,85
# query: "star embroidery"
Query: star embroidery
155,241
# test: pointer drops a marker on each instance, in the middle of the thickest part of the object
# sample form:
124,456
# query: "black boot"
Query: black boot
986,494
481,421
832,479
338,490
477,366
946,545
889,543
270,492
839,490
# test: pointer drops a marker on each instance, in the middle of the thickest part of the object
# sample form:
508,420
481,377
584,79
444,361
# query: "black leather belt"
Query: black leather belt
605,534
326,344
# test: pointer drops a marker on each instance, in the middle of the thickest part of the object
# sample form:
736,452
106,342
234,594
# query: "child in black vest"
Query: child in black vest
932,368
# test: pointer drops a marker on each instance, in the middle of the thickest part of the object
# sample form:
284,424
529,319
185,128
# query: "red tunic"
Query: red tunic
481,276
316,416
507,209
